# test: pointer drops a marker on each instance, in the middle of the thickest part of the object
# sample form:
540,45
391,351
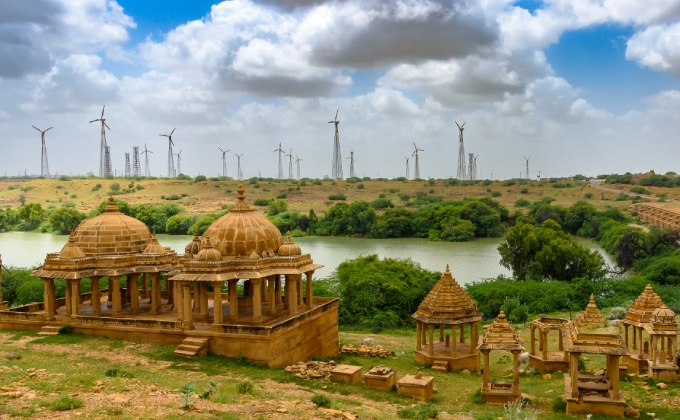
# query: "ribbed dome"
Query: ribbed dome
663,315
111,233
71,250
194,246
243,231
208,253
154,247
289,249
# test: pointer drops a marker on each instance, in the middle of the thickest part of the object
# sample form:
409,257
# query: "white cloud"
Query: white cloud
656,47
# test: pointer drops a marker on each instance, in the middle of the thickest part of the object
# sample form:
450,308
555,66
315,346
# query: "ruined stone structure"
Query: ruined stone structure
447,304
270,322
546,359
663,333
591,316
500,336
663,215
638,316
591,393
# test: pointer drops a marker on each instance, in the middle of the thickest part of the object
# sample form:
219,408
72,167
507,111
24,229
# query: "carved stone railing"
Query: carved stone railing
22,316
152,324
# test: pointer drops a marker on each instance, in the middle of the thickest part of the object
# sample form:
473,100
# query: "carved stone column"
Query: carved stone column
48,298
310,290
186,306
133,288
96,297
233,300
217,302
257,300
115,296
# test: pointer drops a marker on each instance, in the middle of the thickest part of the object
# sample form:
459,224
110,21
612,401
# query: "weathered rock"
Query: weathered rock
465,372
631,412
661,385
547,376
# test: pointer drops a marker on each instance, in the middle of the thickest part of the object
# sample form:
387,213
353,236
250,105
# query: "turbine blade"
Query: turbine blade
103,111
93,121
173,130
36,128
48,129
105,125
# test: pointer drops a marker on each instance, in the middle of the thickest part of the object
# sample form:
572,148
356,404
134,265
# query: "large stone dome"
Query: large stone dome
243,232
111,233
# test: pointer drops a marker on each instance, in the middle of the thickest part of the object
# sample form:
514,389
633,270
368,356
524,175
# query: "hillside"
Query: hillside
208,196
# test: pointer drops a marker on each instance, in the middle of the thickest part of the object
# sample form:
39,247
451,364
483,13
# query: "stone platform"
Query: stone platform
416,386
346,374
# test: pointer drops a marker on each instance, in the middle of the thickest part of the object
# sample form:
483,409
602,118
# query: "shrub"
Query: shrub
617,312
522,203
422,412
321,401
282,196
338,196
496,194
262,202
245,388
65,402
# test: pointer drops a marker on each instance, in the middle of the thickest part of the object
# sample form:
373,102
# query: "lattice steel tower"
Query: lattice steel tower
108,171
461,152
44,167
471,166
136,167
337,156
127,165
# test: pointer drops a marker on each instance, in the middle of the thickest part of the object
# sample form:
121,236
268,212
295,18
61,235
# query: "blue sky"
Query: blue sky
582,86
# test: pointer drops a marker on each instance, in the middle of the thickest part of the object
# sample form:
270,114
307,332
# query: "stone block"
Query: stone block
347,374
380,377
417,387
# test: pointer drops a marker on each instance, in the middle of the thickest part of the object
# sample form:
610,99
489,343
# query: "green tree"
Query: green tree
393,223
360,218
202,223
486,220
459,230
276,207
65,219
179,224
32,214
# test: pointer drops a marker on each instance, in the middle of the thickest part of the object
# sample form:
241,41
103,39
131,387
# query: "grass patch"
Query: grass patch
64,403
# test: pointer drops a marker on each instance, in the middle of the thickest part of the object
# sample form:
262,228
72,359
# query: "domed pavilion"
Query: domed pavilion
663,333
447,304
265,316
110,245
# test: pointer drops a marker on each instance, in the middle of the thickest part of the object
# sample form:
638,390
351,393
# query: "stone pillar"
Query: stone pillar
116,304
615,376
75,297
133,289
233,300
286,292
180,300
155,293
48,298
291,293
532,348
561,343
257,300
475,338
203,295
652,349
641,349
515,371
277,289
462,333
109,290
67,298
431,338
573,372
145,286
441,333
186,307
418,332
217,302
96,297
170,288
544,338
454,345
486,384
625,333
271,295
310,290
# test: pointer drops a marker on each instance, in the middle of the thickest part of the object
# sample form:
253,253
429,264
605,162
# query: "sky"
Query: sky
570,87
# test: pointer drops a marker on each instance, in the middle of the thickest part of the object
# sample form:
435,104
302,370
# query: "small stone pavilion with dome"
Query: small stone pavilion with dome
663,333
447,304
639,316
236,291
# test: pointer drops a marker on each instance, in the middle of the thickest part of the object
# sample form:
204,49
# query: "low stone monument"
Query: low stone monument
638,316
547,359
346,374
381,377
663,333
416,386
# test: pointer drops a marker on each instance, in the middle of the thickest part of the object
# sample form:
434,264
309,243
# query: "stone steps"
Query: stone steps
440,365
192,347
49,330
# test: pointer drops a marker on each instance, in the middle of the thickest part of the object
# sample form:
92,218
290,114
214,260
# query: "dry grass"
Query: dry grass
208,196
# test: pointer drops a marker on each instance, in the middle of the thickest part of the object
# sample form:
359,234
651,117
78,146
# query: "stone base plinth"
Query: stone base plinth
635,364
416,387
500,393
554,363
384,378
4,305
347,374
664,373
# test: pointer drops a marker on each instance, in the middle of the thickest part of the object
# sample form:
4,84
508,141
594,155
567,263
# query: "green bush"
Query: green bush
338,196
262,202
321,401
65,402
245,388
422,412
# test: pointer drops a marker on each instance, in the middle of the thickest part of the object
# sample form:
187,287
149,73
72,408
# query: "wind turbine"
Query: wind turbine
171,159
415,153
224,161
280,150
297,162
407,167
44,167
337,157
351,164
240,174
527,162
179,160
102,146
461,152
146,161
290,164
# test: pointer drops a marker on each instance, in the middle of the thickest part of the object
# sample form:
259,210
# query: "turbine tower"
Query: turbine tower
297,162
108,172
290,164
474,173
127,165
136,167
146,161
351,164
44,167
471,166
415,153
526,159
407,167
179,160
461,152
102,146
171,159
337,157
280,150
240,174
224,162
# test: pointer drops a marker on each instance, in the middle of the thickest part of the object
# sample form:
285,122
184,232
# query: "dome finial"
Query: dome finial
111,207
